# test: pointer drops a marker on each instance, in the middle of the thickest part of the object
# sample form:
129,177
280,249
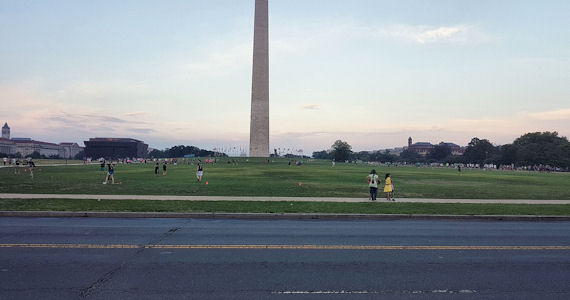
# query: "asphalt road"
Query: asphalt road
70,258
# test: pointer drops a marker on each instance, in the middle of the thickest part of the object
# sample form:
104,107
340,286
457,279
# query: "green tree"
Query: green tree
362,155
508,154
545,148
383,156
341,151
439,152
321,155
35,155
156,154
80,155
479,151
411,156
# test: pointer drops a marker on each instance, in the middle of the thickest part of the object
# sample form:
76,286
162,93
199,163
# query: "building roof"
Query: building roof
29,141
422,144
449,144
5,125
6,140
124,140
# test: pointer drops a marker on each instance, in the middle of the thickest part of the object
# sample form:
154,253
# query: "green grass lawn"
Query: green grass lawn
281,207
259,178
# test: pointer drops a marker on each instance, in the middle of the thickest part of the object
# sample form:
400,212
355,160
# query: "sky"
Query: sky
369,72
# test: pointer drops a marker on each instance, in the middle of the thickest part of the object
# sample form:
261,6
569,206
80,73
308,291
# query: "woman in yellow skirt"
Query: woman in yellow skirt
388,188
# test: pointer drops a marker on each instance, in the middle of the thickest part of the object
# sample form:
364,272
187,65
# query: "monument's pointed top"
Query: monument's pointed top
5,125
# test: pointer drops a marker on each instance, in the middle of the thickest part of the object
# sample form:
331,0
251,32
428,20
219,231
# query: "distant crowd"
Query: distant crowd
536,168
27,164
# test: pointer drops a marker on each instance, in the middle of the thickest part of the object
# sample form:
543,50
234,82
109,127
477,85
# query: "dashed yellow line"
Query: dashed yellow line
282,247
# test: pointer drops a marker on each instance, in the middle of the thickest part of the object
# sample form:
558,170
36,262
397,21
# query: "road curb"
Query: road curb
278,216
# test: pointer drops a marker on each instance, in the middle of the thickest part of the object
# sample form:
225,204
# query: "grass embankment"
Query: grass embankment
317,178
280,207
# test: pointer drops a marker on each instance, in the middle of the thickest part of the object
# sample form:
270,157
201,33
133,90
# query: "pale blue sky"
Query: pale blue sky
369,72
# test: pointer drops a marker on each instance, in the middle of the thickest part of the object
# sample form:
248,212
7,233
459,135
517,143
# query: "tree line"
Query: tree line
181,150
176,151
530,149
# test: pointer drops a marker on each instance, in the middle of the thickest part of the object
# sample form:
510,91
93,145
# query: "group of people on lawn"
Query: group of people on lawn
372,179
111,171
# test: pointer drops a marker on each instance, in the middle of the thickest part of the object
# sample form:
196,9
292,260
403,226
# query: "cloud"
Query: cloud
69,119
137,114
311,107
103,118
141,130
293,38
430,34
553,115
220,59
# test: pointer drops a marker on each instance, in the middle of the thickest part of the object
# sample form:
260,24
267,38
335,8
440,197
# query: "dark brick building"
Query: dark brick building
423,148
111,148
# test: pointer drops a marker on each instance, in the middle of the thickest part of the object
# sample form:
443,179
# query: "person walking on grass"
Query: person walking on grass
199,171
17,167
388,187
110,172
373,182
32,166
156,169
164,169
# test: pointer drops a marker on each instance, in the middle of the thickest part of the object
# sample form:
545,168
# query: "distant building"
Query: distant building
423,148
26,147
397,150
70,150
455,149
7,147
5,131
392,151
115,148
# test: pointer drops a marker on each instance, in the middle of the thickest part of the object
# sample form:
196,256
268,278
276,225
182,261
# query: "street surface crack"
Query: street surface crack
84,293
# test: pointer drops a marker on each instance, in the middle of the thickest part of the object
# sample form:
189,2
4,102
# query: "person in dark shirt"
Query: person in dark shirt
164,169
17,168
199,172
31,166
156,169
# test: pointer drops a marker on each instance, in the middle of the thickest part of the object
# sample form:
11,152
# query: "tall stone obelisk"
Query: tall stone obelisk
259,126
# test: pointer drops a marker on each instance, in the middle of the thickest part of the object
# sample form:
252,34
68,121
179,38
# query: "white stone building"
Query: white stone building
69,150
7,146
26,146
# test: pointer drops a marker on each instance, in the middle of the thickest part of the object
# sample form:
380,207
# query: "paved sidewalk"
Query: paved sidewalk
247,198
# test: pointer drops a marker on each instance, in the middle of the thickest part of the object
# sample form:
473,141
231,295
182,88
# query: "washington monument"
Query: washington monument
259,126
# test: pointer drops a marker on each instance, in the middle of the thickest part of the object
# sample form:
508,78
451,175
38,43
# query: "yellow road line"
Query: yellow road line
282,247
